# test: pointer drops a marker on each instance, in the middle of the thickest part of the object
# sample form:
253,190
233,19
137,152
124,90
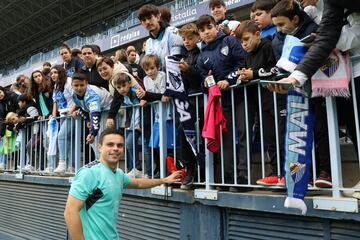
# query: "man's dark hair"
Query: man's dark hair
24,98
264,5
18,78
286,8
109,131
246,26
80,76
205,20
88,46
147,11
47,64
216,3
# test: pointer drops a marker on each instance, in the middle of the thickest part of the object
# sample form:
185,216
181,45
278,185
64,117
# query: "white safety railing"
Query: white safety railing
240,154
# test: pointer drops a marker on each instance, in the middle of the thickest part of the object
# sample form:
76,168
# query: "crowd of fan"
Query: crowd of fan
88,84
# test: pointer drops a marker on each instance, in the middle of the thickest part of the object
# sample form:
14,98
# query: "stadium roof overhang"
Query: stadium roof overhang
27,26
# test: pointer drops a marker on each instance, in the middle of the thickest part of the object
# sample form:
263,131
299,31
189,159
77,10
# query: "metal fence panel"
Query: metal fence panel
345,230
32,211
256,225
143,218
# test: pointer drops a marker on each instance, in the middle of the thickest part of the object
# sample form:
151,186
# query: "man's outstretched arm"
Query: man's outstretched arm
141,183
72,217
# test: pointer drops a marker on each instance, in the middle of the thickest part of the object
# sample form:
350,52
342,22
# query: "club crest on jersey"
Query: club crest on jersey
225,51
93,106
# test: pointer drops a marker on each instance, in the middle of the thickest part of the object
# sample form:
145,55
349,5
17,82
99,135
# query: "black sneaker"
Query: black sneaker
241,180
222,188
188,182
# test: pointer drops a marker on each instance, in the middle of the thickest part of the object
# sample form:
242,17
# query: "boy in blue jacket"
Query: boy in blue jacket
260,11
91,102
221,55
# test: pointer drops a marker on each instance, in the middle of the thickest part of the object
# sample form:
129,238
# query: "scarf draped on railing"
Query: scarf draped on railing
298,148
184,110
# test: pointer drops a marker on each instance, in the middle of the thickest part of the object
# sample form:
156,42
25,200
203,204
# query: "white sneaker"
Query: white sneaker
70,170
2,166
48,170
61,167
134,173
352,193
28,168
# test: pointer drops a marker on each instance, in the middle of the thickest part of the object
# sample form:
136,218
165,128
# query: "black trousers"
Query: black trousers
321,136
345,109
228,160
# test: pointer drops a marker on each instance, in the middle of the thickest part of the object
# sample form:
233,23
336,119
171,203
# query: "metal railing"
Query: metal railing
31,145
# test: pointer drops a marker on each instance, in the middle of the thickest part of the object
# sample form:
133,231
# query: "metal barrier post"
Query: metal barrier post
336,203
335,158
162,190
77,153
355,104
22,152
163,139
208,192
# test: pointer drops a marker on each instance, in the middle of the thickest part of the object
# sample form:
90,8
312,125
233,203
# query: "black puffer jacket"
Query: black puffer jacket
327,35
192,78
305,28
8,104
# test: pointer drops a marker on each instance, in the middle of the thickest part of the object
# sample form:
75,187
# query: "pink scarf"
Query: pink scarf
333,78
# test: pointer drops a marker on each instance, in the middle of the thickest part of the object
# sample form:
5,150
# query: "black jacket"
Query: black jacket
94,77
8,104
262,57
192,78
138,73
118,99
327,35
30,114
305,28
114,109
223,56
47,96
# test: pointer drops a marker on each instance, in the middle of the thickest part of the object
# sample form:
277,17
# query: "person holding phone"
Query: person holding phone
290,19
261,57
327,36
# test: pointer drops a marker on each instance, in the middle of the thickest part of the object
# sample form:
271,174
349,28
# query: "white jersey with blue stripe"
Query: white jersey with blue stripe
96,99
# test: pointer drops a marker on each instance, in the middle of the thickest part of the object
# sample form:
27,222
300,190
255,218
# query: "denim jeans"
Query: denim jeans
65,138
3,157
130,160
